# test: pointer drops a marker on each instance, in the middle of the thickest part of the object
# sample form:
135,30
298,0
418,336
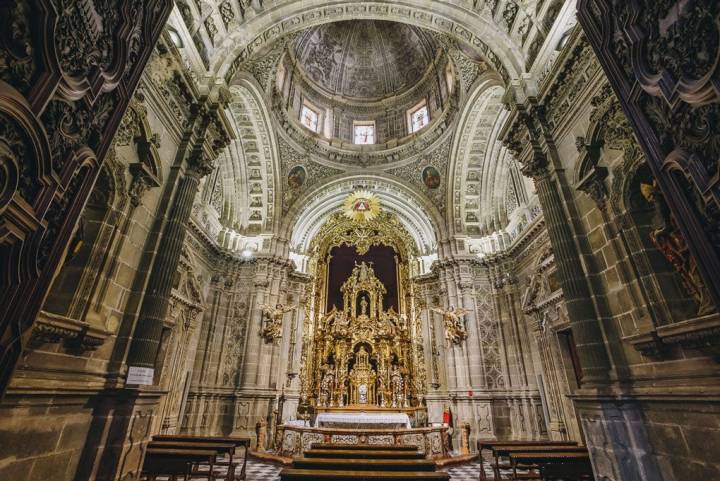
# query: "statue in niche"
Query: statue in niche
667,238
455,331
363,305
272,329
397,384
362,394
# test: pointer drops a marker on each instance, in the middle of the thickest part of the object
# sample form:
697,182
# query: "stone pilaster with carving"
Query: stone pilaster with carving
594,360
63,92
148,330
661,59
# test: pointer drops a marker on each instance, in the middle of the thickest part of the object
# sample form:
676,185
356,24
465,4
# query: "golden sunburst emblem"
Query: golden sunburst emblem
362,206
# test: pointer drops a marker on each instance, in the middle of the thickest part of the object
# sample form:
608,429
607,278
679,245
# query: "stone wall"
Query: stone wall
577,135
491,379
67,414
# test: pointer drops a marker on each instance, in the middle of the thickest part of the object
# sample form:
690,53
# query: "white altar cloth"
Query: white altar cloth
363,420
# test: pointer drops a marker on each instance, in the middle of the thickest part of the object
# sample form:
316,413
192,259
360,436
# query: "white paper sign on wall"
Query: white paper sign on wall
141,376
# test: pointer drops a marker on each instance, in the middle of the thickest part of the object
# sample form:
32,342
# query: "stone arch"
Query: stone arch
422,220
246,184
471,27
73,287
481,167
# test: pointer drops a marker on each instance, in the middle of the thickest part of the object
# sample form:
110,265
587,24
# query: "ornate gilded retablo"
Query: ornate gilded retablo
362,206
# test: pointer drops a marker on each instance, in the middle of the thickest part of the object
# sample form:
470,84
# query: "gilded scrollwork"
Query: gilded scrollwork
385,229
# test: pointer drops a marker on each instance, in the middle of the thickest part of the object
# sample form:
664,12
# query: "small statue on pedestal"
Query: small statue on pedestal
397,384
260,431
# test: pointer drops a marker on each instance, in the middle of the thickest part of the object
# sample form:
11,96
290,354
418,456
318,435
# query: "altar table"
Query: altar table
363,420
294,440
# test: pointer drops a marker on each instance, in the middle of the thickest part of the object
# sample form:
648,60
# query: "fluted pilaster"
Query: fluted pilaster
146,339
588,336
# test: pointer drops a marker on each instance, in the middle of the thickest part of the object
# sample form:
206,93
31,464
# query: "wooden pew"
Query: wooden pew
496,464
556,465
533,469
199,441
174,462
223,449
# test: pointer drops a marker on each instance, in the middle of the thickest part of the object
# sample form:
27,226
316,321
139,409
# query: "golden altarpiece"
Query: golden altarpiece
360,355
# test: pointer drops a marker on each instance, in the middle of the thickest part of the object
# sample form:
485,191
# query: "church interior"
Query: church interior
372,240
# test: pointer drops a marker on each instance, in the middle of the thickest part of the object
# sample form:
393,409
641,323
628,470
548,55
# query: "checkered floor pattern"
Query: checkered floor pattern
258,471
467,472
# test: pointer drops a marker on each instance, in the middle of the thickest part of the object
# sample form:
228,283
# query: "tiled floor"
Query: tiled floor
257,471
466,472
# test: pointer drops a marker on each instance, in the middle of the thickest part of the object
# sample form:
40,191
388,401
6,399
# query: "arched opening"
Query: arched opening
73,286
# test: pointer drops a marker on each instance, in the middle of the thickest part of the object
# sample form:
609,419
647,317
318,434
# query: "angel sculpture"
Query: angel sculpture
272,329
455,331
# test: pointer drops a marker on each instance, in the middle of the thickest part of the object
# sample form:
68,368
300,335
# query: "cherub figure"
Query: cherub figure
455,331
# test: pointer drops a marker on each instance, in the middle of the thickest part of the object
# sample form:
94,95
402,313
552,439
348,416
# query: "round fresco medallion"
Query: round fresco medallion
296,177
431,177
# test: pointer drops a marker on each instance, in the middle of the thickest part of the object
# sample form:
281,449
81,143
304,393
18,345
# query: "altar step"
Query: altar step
325,462
365,464
365,447
291,474
363,454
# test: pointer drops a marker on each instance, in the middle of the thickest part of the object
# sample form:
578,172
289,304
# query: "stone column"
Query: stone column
252,352
146,338
474,361
541,164
589,338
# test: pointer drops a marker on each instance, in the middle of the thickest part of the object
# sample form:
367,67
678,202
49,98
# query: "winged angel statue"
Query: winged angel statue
272,328
455,331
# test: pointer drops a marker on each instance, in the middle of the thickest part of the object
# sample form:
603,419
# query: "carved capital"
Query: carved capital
536,166
200,165
593,184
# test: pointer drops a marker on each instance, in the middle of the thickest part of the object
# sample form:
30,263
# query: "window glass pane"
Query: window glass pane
364,134
419,119
309,118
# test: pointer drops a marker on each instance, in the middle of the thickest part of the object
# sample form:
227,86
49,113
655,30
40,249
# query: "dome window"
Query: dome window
418,117
364,133
309,117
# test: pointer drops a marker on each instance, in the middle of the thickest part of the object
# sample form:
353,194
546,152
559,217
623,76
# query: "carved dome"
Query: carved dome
365,60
